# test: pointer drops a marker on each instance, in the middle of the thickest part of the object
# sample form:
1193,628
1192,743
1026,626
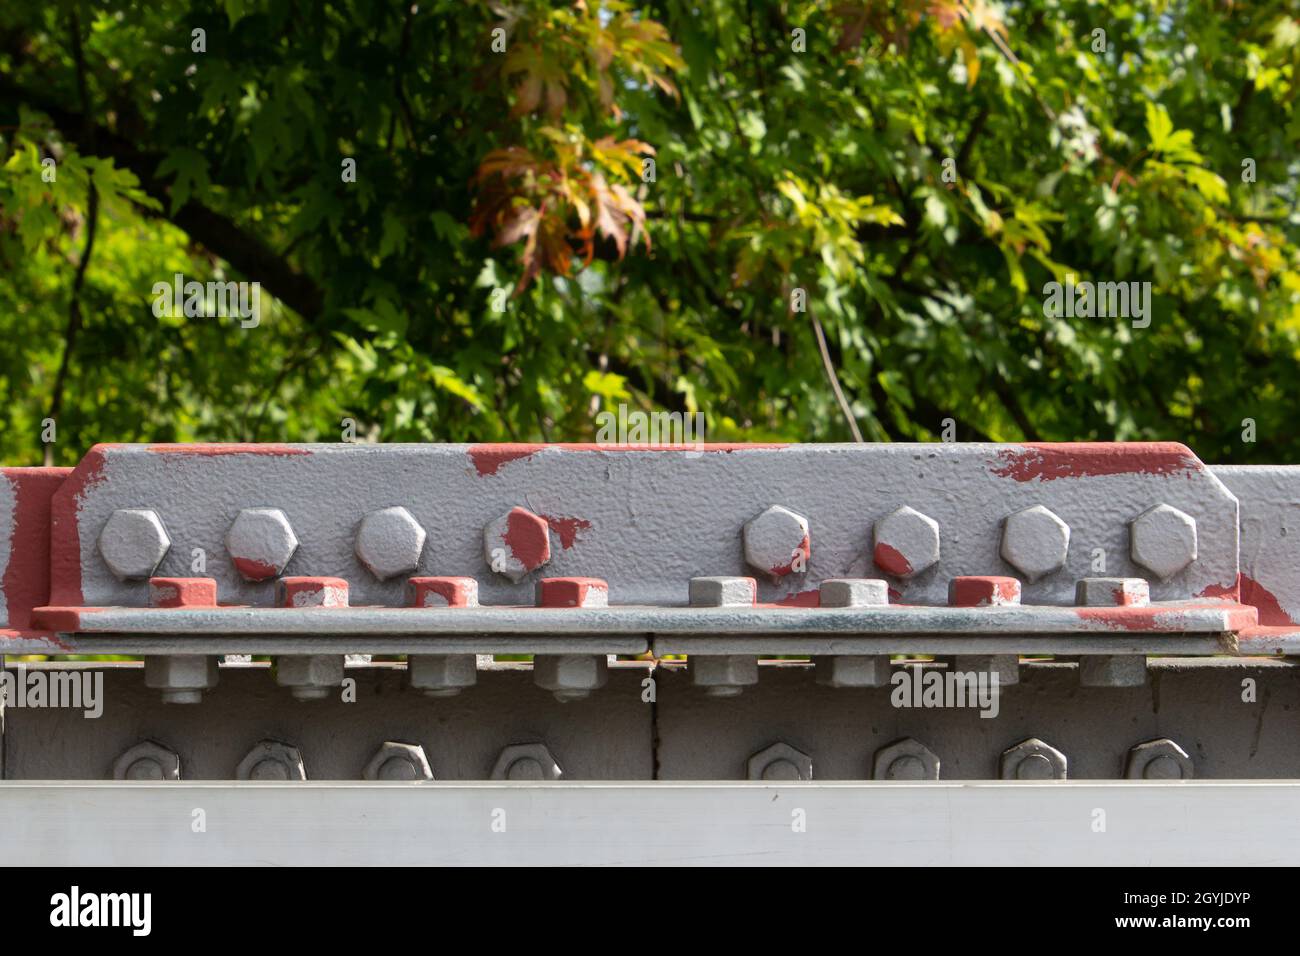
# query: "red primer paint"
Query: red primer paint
253,570
566,528
332,592
809,598
983,591
182,592
457,592
489,458
1249,591
204,450
1150,618
804,546
64,619
65,532
568,592
27,576
49,637
890,560
528,538
1046,462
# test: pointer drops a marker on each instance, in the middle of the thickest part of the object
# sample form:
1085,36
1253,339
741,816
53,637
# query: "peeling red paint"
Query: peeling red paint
890,560
569,592
527,538
808,598
1249,591
1164,619
56,644
182,592
1046,462
805,548
66,620
254,570
489,458
27,575
566,528
437,591
65,530
204,450
311,592
983,591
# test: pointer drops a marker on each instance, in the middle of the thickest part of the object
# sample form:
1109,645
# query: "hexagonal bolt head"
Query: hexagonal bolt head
182,592
570,676
572,592
397,761
442,592
1163,540
853,592
309,677
1160,759
1005,666
905,759
983,591
906,543
723,592
526,762
147,761
853,671
182,678
517,543
442,675
311,592
271,760
778,542
133,543
779,762
1112,592
389,542
261,543
1035,542
1127,670
1032,760
723,676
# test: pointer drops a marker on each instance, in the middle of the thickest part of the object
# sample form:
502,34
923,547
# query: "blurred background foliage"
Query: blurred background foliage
507,263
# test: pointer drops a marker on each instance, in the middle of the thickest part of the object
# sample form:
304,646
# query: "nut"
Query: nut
723,592
724,676
780,762
442,675
1127,670
517,543
271,760
526,762
845,670
261,542
147,761
1035,542
1005,666
311,592
983,591
905,759
389,542
442,592
570,676
1112,592
182,678
777,542
309,676
133,543
853,592
907,543
182,592
1160,759
1163,540
1033,760
396,761
572,592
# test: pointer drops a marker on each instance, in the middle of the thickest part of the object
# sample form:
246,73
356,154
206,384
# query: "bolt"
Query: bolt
1033,760
1005,666
442,592
1124,670
854,592
261,543
147,761
723,592
133,543
986,591
1112,592
1035,542
777,542
389,542
182,678
905,759
570,676
572,592
182,592
851,670
311,592
526,762
309,676
517,543
442,675
723,676
1160,759
397,761
1163,540
780,762
906,543
271,760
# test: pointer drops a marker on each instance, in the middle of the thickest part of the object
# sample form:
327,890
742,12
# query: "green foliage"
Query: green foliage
504,266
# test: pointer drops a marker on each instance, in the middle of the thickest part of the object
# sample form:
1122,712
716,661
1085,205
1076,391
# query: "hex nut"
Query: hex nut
311,592
441,592
261,543
526,762
271,760
147,761
905,759
570,676
1035,542
724,676
398,761
572,592
778,542
389,542
1160,759
1005,666
853,592
1032,760
1112,592
182,592
845,670
1163,540
723,592
133,543
906,543
517,543
983,591
442,675
182,678
1122,670
779,762
309,676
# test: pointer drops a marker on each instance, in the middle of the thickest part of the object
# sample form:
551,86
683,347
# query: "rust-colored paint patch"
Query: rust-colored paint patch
1249,591
527,538
63,619
203,450
182,592
983,591
809,598
488,459
566,528
890,560
569,592
56,644
442,591
254,570
65,529
804,549
1155,618
27,575
1047,462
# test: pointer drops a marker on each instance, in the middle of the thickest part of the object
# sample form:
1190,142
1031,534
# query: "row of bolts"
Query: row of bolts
183,678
